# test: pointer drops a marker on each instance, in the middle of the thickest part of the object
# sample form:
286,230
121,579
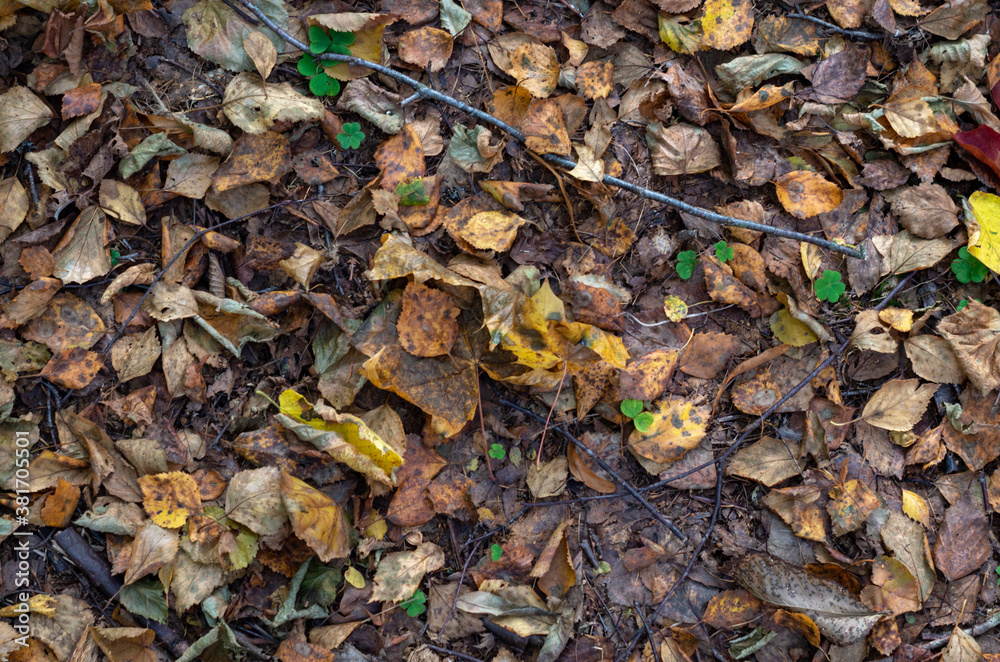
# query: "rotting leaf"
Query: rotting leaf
840,616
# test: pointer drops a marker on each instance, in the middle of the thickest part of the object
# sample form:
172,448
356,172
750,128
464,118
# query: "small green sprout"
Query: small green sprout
115,257
724,251
496,551
686,261
497,451
967,267
828,286
633,409
416,605
351,136
963,303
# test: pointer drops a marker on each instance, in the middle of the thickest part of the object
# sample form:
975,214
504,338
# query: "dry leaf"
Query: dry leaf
681,149
262,52
805,194
898,405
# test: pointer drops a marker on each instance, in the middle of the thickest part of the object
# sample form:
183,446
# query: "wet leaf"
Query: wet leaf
316,519
731,610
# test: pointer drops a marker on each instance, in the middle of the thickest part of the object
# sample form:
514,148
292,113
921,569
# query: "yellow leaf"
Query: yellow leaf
350,428
41,604
378,528
727,23
170,498
354,578
791,331
986,208
900,319
316,519
917,508
674,308
805,194
487,230
678,426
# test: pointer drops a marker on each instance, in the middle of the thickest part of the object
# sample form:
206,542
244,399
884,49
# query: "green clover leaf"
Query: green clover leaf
686,261
497,452
967,267
643,421
351,136
631,408
323,85
828,286
308,65
319,40
724,251
339,42
416,605
496,551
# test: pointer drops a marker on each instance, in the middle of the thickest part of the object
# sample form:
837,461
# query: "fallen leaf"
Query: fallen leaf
13,206
535,68
121,644
962,545
72,368
727,23
850,506
427,48
82,254
549,478
805,194
678,426
153,548
190,175
253,498
255,107
926,210
840,616
962,647
986,247
216,32
170,498
681,149
122,202
554,567
799,509
907,541
594,79
22,113
316,519
261,50
399,574
932,359
768,461
897,587
974,440
974,336
255,158
731,610
486,230
544,128
59,506
898,405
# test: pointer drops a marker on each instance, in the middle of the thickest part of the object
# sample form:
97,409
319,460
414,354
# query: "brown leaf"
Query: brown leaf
839,77
962,545
593,79
549,478
898,405
978,440
798,508
554,567
82,100
840,616
255,158
646,378
933,359
926,210
428,48
316,519
82,254
974,335
261,50
170,498
731,610
681,149
153,548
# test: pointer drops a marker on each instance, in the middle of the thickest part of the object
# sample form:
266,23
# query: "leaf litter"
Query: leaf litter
323,369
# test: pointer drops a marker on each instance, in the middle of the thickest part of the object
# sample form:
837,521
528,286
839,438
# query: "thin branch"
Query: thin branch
604,465
428,92
857,34
720,461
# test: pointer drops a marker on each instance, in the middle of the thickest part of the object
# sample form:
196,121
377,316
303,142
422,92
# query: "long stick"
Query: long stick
428,92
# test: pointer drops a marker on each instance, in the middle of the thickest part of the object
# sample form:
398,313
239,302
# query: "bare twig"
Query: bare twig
856,34
719,461
428,92
604,465
458,590
461,656
649,632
